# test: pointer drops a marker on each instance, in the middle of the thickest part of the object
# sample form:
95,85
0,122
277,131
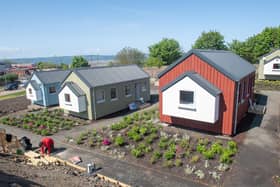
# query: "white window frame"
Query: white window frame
103,94
129,87
187,106
69,98
144,87
54,89
116,98
276,69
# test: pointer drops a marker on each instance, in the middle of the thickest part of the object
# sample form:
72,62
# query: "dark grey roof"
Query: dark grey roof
227,62
100,76
74,88
34,84
48,77
213,90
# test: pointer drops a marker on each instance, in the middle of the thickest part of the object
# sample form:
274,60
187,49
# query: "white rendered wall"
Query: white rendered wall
206,106
76,104
35,94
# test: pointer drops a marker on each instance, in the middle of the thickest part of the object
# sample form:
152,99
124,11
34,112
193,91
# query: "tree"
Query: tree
210,40
168,50
79,61
64,66
154,61
46,65
130,55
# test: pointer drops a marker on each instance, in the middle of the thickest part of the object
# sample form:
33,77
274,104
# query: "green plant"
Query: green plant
208,154
195,159
169,154
217,148
148,149
232,145
91,142
143,131
184,143
119,126
168,163
137,152
225,158
163,142
45,132
200,148
178,162
155,156
119,140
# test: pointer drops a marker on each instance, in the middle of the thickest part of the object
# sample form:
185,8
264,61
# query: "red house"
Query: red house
206,90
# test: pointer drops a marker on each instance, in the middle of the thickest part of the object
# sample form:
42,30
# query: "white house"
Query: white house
33,91
269,66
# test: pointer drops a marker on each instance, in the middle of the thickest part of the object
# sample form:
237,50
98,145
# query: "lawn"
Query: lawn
12,95
43,122
139,138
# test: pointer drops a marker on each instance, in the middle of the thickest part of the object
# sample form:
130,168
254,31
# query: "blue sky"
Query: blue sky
72,27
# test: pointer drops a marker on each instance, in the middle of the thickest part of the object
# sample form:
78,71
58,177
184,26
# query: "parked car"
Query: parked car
12,86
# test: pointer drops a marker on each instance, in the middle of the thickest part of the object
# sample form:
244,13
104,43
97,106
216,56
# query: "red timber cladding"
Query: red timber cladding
193,63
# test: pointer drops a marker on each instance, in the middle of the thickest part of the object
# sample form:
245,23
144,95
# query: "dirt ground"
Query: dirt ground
13,105
15,172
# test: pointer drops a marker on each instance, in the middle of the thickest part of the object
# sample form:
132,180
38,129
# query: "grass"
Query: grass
12,95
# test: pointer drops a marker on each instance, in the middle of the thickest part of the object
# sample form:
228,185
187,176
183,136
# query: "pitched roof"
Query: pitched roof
34,85
210,88
227,62
74,88
48,77
100,76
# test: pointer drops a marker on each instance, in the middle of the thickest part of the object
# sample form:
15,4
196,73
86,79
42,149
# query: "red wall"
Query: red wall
193,63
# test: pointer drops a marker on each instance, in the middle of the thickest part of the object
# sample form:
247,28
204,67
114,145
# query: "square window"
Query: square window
67,97
186,97
276,66
113,93
52,89
100,96
127,90
30,91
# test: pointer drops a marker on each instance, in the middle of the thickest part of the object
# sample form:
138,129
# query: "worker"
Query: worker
46,145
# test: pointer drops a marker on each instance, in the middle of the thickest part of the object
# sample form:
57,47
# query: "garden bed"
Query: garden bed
140,139
43,122
267,85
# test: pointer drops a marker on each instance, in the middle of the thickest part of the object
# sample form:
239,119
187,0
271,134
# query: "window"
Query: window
127,91
100,96
276,66
30,91
186,97
67,97
113,94
143,87
52,89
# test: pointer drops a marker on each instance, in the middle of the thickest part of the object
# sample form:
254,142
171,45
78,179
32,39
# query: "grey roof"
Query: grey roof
34,84
74,88
213,90
55,76
227,62
100,76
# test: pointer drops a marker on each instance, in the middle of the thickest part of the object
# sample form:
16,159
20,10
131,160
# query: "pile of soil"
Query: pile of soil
13,105
15,172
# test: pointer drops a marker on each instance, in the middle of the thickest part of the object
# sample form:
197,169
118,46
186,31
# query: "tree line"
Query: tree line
167,50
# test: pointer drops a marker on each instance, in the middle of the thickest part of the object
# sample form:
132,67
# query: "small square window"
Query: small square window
30,91
186,97
67,97
113,93
276,66
52,89
127,90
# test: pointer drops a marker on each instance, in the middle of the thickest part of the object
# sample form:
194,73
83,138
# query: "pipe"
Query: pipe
236,108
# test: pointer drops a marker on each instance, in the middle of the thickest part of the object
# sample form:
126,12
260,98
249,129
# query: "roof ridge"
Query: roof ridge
103,67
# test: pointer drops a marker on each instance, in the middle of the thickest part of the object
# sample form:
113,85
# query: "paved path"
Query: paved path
7,92
258,158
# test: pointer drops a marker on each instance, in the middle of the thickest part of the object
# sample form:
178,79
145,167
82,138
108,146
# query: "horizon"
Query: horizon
70,28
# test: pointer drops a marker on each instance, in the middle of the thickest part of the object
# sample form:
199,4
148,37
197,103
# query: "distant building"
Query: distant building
269,66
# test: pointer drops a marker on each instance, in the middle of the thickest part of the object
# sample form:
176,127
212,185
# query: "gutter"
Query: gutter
94,103
236,108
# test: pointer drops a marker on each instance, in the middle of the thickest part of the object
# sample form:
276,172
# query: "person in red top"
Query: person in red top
47,145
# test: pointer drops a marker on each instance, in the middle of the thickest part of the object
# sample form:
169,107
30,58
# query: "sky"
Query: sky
33,28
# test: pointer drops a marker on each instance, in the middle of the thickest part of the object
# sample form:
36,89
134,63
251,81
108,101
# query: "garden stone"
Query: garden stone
189,169
222,167
206,163
215,175
200,174
104,148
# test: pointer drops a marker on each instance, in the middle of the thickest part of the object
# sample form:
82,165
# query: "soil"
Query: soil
13,105
15,172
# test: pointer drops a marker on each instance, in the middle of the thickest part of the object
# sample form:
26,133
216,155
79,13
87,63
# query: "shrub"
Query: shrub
200,148
217,148
157,154
136,116
128,119
168,163
169,154
232,145
184,143
79,140
143,131
153,129
119,140
148,149
136,137
137,152
163,143
118,126
208,154
45,132
91,142
195,159
225,158
178,162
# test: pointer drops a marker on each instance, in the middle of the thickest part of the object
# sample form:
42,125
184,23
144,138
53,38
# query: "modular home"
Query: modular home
92,93
269,66
43,87
206,90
